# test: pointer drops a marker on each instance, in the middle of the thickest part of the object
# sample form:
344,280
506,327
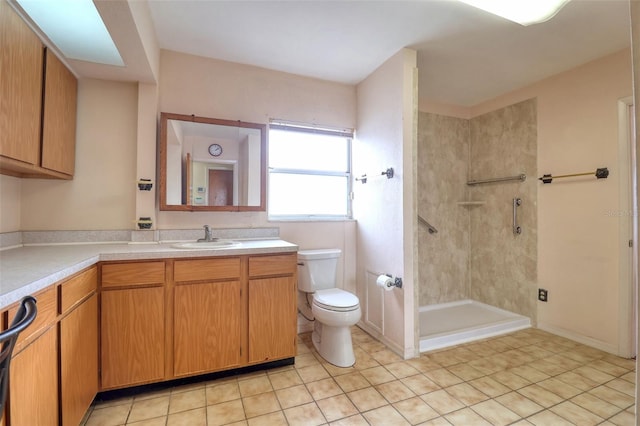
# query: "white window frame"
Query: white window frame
302,128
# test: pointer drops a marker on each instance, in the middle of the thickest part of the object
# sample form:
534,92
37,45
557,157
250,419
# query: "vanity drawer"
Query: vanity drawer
132,274
47,312
206,269
77,288
261,266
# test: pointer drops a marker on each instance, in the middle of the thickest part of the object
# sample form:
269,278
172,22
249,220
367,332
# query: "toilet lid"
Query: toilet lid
335,299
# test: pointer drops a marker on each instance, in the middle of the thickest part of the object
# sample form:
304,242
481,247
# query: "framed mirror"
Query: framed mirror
209,164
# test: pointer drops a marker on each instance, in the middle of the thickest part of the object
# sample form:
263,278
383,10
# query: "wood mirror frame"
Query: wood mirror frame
186,204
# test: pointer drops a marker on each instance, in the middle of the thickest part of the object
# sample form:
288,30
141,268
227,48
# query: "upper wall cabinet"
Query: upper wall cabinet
37,104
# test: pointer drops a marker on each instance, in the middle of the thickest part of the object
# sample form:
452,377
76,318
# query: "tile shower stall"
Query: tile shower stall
477,276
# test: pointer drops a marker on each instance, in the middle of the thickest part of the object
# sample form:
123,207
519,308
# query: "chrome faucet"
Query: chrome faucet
208,237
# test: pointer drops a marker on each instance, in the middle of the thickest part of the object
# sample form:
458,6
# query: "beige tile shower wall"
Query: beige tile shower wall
503,265
443,155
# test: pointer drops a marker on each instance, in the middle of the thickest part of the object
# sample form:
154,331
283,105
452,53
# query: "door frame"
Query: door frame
627,232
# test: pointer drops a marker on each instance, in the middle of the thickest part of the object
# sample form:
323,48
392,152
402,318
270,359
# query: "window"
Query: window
309,173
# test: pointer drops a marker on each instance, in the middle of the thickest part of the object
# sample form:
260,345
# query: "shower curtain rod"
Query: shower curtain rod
521,177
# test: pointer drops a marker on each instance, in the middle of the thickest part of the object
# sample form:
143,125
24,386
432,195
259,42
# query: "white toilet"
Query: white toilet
334,310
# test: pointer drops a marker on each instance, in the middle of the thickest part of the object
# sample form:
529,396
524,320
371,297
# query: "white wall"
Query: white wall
384,208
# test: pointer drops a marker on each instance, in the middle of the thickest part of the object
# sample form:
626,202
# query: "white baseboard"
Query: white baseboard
576,337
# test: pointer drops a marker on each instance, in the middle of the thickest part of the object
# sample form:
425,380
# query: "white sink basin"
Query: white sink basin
206,245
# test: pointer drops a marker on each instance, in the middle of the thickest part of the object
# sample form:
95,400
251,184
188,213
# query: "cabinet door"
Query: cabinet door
79,361
272,318
207,323
20,88
33,387
59,117
132,336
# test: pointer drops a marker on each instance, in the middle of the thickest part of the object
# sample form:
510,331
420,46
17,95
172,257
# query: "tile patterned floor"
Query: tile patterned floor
529,377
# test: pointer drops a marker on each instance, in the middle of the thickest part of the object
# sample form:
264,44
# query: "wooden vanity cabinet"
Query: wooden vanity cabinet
37,129
78,345
272,307
207,315
132,325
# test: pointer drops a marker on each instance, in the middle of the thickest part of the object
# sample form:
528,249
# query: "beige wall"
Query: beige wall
10,205
381,206
102,193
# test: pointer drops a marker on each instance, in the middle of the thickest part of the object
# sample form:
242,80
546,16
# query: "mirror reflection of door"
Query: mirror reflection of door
220,187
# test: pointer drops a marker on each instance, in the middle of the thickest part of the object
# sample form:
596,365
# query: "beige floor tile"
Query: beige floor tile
312,373
401,369
306,360
271,419
623,419
337,407
225,412
536,351
377,375
465,372
158,421
608,368
197,417
187,400
385,416
352,381
442,402
548,418
446,358
487,365
519,404
415,410
188,387
622,386
495,413
366,399
547,367
127,400
285,379
292,396
440,421
577,381
424,364
386,356
372,346
510,380
216,394
595,405
363,362
109,416
564,361
481,349
443,377
152,394
149,408
560,388
260,404
576,414
540,395
324,388
466,394
466,417
420,384
489,387
254,386
529,373
356,420
395,391
629,364
304,415
613,396
629,377
522,422
594,374
337,371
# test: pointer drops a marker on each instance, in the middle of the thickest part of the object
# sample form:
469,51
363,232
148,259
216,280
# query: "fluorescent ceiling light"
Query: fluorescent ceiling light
524,12
76,28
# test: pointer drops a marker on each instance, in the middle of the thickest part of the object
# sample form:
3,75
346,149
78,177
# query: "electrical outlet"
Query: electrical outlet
542,295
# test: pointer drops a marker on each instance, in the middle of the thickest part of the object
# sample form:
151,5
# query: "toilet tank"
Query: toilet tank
317,269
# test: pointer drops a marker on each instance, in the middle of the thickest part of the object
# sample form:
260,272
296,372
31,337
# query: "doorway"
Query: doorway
220,187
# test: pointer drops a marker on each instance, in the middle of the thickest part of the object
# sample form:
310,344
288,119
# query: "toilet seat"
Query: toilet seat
335,299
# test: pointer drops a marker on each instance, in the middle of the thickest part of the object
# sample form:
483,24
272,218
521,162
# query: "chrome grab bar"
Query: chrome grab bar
430,228
517,230
521,177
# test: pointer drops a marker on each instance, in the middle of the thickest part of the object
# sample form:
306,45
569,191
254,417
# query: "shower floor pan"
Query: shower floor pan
449,324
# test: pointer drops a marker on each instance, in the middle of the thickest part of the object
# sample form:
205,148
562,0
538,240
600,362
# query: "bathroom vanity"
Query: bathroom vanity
121,315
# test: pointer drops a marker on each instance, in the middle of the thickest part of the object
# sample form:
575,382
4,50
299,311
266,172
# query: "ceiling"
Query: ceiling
465,56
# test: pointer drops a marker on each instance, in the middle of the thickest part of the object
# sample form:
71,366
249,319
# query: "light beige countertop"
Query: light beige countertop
29,269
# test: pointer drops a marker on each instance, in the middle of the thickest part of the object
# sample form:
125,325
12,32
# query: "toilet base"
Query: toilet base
334,344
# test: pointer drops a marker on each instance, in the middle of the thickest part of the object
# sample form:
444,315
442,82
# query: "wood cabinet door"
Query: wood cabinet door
207,324
33,387
59,117
132,336
78,361
272,318
20,88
